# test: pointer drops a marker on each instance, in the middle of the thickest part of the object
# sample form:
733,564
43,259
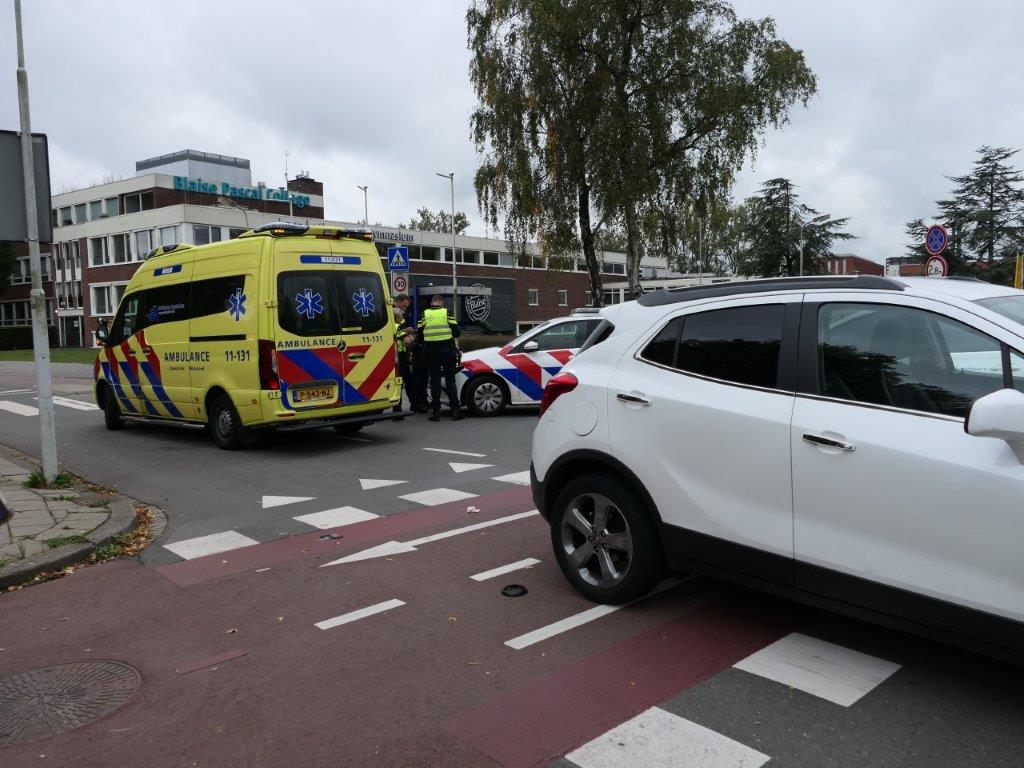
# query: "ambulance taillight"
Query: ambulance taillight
269,377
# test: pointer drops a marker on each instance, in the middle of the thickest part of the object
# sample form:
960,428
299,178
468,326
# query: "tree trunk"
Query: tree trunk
587,240
634,251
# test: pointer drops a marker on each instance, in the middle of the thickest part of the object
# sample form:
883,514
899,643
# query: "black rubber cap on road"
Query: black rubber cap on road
513,590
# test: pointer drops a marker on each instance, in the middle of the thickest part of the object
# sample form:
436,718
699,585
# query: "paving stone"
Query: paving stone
20,505
58,493
9,468
87,520
31,547
5,534
56,532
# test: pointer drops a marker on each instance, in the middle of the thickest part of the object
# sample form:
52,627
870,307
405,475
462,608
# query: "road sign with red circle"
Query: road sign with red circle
936,266
399,282
936,239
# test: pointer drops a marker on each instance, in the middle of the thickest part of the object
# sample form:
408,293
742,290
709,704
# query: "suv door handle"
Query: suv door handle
626,397
829,442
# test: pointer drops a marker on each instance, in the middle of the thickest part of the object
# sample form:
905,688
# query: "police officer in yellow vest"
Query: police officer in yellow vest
438,331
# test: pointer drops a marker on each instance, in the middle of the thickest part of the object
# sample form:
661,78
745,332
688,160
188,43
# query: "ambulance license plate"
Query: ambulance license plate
313,394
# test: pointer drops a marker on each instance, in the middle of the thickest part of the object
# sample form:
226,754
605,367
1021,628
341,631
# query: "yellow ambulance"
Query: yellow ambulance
288,326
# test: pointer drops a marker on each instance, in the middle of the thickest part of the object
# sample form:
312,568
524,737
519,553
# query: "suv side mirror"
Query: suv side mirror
1000,414
531,346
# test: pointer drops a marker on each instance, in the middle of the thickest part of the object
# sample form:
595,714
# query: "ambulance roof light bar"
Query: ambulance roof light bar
287,228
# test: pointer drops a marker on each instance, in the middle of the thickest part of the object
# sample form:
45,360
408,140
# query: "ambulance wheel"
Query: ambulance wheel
486,396
226,425
348,429
111,411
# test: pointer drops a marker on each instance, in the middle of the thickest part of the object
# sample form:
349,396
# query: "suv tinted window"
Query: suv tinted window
905,358
165,304
662,348
739,344
211,297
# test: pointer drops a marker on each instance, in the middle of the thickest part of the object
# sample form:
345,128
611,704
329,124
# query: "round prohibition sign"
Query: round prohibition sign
936,239
399,284
936,266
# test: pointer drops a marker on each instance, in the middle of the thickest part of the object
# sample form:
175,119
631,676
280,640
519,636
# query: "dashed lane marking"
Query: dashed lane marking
436,496
18,408
657,738
279,501
334,518
213,544
15,391
457,453
460,467
369,485
362,613
78,405
400,547
579,619
517,478
826,670
501,570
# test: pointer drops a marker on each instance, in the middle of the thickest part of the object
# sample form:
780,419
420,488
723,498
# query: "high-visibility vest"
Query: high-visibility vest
399,337
436,325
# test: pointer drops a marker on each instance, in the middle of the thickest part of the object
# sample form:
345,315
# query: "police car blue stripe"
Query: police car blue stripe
311,259
521,381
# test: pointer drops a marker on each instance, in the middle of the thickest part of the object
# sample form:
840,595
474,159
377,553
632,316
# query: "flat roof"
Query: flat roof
191,154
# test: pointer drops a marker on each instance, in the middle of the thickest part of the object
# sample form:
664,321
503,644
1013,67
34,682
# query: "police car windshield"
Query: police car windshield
1007,306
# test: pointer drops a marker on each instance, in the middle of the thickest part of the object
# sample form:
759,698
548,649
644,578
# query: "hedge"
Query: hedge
20,337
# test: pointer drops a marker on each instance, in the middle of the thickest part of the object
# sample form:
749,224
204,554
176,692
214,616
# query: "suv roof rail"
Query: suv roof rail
692,293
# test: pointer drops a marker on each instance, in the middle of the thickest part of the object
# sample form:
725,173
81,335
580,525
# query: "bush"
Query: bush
472,342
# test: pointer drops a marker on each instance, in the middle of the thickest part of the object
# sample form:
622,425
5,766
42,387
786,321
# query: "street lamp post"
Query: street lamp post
37,297
228,202
815,220
366,209
455,278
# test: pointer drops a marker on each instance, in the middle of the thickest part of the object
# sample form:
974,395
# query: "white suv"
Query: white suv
856,442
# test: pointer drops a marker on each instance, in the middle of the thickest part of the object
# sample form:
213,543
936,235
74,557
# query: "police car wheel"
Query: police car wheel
225,424
112,411
486,396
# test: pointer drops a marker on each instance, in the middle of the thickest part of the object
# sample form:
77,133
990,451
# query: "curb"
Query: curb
122,519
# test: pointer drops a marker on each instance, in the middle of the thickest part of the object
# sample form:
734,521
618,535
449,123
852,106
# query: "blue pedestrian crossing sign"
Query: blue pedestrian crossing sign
398,258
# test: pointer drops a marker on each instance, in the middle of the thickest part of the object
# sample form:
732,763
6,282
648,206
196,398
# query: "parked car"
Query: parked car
857,442
494,378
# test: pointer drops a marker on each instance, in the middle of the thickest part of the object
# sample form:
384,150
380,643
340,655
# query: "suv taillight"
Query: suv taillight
557,386
268,365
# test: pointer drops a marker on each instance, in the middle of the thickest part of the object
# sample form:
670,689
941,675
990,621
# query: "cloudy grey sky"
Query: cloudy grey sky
378,93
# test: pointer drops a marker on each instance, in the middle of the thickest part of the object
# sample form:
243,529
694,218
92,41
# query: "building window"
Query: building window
168,235
533,295
81,215
537,262
95,210
522,328
121,248
429,253
203,234
53,218
97,251
234,232
65,216
110,206
469,257
105,298
563,297
506,260
143,243
613,268
140,201
491,258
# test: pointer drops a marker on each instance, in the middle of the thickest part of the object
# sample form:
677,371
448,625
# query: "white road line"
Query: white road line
461,467
437,496
584,617
16,391
457,453
78,405
334,518
279,501
519,478
362,613
503,569
401,547
657,738
18,408
369,485
215,543
826,670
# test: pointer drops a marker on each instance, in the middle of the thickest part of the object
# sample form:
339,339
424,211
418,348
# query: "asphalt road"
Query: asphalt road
253,649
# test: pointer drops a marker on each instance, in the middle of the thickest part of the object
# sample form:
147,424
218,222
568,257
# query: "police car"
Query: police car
492,379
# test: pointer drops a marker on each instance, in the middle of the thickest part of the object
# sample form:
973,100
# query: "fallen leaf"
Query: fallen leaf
473,663
65,619
223,561
231,631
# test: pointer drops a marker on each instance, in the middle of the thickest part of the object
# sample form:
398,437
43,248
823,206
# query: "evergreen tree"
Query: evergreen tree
426,220
774,234
988,201
915,231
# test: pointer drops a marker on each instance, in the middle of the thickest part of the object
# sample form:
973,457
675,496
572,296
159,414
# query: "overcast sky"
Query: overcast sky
378,93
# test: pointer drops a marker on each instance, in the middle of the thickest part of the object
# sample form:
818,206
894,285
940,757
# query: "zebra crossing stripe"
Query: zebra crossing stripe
19,408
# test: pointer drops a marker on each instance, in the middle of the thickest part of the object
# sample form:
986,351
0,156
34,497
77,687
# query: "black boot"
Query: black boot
435,415
457,415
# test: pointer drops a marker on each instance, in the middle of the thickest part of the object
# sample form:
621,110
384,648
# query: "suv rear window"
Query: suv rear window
739,345
329,302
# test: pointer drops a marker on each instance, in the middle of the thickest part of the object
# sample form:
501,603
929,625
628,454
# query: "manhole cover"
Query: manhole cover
44,702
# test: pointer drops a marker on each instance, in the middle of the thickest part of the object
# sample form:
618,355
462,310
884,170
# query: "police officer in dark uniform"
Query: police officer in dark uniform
438,331
409,349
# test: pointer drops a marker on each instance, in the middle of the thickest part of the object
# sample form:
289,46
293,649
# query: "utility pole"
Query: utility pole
286,191
37,298
455,279
366,209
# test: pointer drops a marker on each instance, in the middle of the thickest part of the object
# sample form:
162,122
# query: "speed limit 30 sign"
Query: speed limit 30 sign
399,282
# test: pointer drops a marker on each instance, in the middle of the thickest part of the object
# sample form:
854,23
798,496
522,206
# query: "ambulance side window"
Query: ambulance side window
362,301
165,304
126,323
307,303
213,296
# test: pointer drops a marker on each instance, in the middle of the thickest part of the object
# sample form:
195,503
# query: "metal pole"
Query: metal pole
801,249
40,339
291,212
366,210
455,278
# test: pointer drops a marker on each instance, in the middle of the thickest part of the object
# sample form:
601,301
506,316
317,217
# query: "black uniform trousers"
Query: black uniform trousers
441,357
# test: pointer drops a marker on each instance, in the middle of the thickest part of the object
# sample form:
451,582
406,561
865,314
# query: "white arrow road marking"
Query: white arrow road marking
400,547
503,569
362,613
369,485
519,478
280,501
18,408
78,405
457,467
457,453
